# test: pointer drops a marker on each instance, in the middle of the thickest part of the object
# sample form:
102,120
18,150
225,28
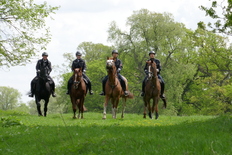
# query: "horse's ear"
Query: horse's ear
152,61
81,69
107,58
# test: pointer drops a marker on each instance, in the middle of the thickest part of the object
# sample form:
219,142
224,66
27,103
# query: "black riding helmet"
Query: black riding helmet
152,52
115,51
44,54
78,53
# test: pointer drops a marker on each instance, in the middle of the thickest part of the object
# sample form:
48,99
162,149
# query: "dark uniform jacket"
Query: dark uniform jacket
44,65
79,63
158,65
118,64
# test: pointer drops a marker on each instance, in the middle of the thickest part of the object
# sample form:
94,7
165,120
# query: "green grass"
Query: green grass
60,134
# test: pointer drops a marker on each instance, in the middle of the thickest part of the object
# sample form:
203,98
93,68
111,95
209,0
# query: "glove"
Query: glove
119,69
38,72
157,70
146,72
84,71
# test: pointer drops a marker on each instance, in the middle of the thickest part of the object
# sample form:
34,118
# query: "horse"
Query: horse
152,91
78,93
42,91
113,90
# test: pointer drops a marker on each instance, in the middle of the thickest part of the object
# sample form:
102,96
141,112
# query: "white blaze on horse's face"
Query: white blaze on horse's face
109,63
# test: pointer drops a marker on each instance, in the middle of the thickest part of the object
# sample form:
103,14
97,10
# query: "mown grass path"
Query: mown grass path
60,134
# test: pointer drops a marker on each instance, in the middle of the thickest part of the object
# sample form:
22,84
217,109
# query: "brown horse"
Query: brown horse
78,92
113,90
152,91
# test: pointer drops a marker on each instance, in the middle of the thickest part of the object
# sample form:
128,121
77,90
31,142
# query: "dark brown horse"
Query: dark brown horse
42,92
78,92
113,90
152,91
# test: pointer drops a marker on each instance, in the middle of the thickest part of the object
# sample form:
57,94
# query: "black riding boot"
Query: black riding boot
103,86
53,90
162,90
90,88
69,85
123,84
143,87
33,82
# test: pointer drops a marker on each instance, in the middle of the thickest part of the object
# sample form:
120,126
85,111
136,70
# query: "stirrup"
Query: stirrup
142,94
102,93
53,95
90,92
126,93
162,96
31,95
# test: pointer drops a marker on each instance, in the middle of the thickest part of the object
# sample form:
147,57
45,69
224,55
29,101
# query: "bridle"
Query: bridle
76,83
151,74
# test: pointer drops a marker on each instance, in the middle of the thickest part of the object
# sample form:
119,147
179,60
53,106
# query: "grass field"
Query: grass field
57,134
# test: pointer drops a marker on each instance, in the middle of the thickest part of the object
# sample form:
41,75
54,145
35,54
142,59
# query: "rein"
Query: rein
76,83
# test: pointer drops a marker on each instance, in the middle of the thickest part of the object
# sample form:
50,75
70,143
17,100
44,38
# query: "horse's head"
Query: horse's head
152,69
77,76
109,63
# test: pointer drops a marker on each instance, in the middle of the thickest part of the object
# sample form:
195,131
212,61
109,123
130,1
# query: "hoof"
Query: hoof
150,115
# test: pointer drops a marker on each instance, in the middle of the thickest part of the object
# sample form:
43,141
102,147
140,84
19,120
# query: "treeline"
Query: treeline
196,65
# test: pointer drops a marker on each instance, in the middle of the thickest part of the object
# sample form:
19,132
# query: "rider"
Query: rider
158,65
118,64
79,63
43,64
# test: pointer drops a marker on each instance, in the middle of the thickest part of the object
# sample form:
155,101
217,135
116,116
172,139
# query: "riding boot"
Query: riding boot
124,87
69,86
31,94
53,90
162,90
103,86
143,87
90,86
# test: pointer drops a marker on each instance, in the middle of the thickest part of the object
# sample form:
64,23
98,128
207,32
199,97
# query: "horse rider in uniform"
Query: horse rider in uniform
43,64
79,63
118,64
158,65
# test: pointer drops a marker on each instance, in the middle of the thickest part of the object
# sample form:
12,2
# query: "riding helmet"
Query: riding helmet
152,52
115,51
44,54
78,53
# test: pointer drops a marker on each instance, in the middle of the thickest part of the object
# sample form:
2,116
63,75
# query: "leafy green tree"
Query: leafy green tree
9,98
23,30
154,31
209,91
220,11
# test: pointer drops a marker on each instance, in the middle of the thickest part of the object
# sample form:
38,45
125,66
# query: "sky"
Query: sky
80,21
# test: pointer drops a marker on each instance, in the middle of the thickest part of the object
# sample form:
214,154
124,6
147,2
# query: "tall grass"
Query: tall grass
60,134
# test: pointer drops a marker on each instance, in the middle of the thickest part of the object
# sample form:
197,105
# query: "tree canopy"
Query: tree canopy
23,30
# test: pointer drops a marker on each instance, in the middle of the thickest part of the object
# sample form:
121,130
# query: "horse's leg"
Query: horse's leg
74,106
82,106
149,109
45,107
78,103
156,107
123,107
145,108
116,107
37,101
105,107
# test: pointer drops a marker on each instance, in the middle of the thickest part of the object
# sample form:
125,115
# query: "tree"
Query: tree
9,98
23,31
223,22
159,32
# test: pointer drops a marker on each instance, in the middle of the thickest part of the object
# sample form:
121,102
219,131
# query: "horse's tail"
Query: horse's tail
165,102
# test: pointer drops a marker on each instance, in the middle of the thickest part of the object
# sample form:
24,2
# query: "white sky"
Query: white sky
88,20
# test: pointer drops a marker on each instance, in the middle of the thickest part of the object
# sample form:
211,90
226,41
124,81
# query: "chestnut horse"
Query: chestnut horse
113,90
152,91
78,92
